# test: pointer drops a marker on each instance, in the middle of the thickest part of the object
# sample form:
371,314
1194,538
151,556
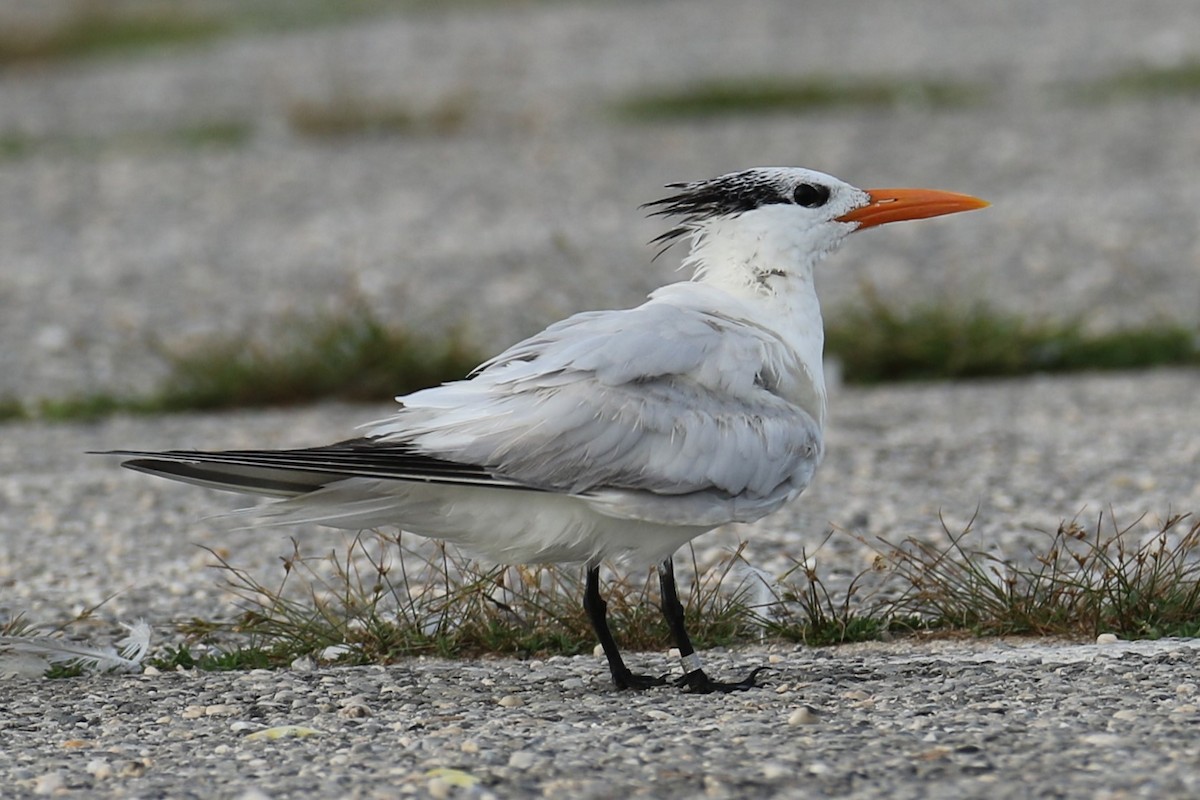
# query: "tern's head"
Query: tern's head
780,220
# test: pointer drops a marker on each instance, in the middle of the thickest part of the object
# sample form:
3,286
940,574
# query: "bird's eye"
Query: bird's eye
811,195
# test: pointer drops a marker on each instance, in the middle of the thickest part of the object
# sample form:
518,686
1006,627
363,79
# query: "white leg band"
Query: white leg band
691,663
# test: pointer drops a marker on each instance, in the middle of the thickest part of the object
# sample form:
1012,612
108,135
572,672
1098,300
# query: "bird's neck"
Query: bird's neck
773,276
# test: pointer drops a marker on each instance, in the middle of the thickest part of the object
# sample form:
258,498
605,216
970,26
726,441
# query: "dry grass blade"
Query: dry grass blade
804,608
1082,584
381,597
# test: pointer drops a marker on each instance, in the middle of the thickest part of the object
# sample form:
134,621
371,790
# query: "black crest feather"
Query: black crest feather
698,201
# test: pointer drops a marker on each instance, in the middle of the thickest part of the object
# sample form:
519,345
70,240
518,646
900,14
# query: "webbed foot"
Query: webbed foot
697,682
630,680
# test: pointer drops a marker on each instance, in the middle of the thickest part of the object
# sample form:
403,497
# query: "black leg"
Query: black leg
694,677
596,610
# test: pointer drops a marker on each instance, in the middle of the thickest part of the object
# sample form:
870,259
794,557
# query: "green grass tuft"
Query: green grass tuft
96,30
15,146
876,343
90,407
804,95
211,135
180,657
804,609
348,115
381,598
1181,80
351,357
384,597
12,410
215,134
1080,584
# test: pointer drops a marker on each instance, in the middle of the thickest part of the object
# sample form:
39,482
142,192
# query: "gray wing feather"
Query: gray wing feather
659,398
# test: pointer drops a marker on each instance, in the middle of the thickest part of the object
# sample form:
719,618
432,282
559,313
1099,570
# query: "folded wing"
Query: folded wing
665,398
667,410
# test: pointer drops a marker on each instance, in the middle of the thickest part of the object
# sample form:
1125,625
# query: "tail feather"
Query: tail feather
291,473
352,504
271,482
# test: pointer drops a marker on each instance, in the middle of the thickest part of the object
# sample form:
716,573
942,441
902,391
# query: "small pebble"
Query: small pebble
511,701
335,651
1102,739
522,759
52,338
1107,638
354,707
254,794
50,783
803,716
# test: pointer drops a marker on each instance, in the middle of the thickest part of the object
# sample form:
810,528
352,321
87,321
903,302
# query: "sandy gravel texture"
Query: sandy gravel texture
940,720
116,242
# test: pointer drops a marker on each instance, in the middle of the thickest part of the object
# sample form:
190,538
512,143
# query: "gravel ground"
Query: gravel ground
940,720
908,719
111,250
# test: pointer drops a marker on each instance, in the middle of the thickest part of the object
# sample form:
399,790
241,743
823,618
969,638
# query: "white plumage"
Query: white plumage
611,434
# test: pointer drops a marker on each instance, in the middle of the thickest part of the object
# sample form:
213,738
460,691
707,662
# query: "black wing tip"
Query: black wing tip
211,476
152,456
145,463
360,457
147,453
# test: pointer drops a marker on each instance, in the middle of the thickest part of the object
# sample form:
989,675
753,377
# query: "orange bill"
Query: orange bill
897,205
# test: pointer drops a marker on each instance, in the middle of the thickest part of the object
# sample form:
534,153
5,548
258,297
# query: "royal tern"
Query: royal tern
612,434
